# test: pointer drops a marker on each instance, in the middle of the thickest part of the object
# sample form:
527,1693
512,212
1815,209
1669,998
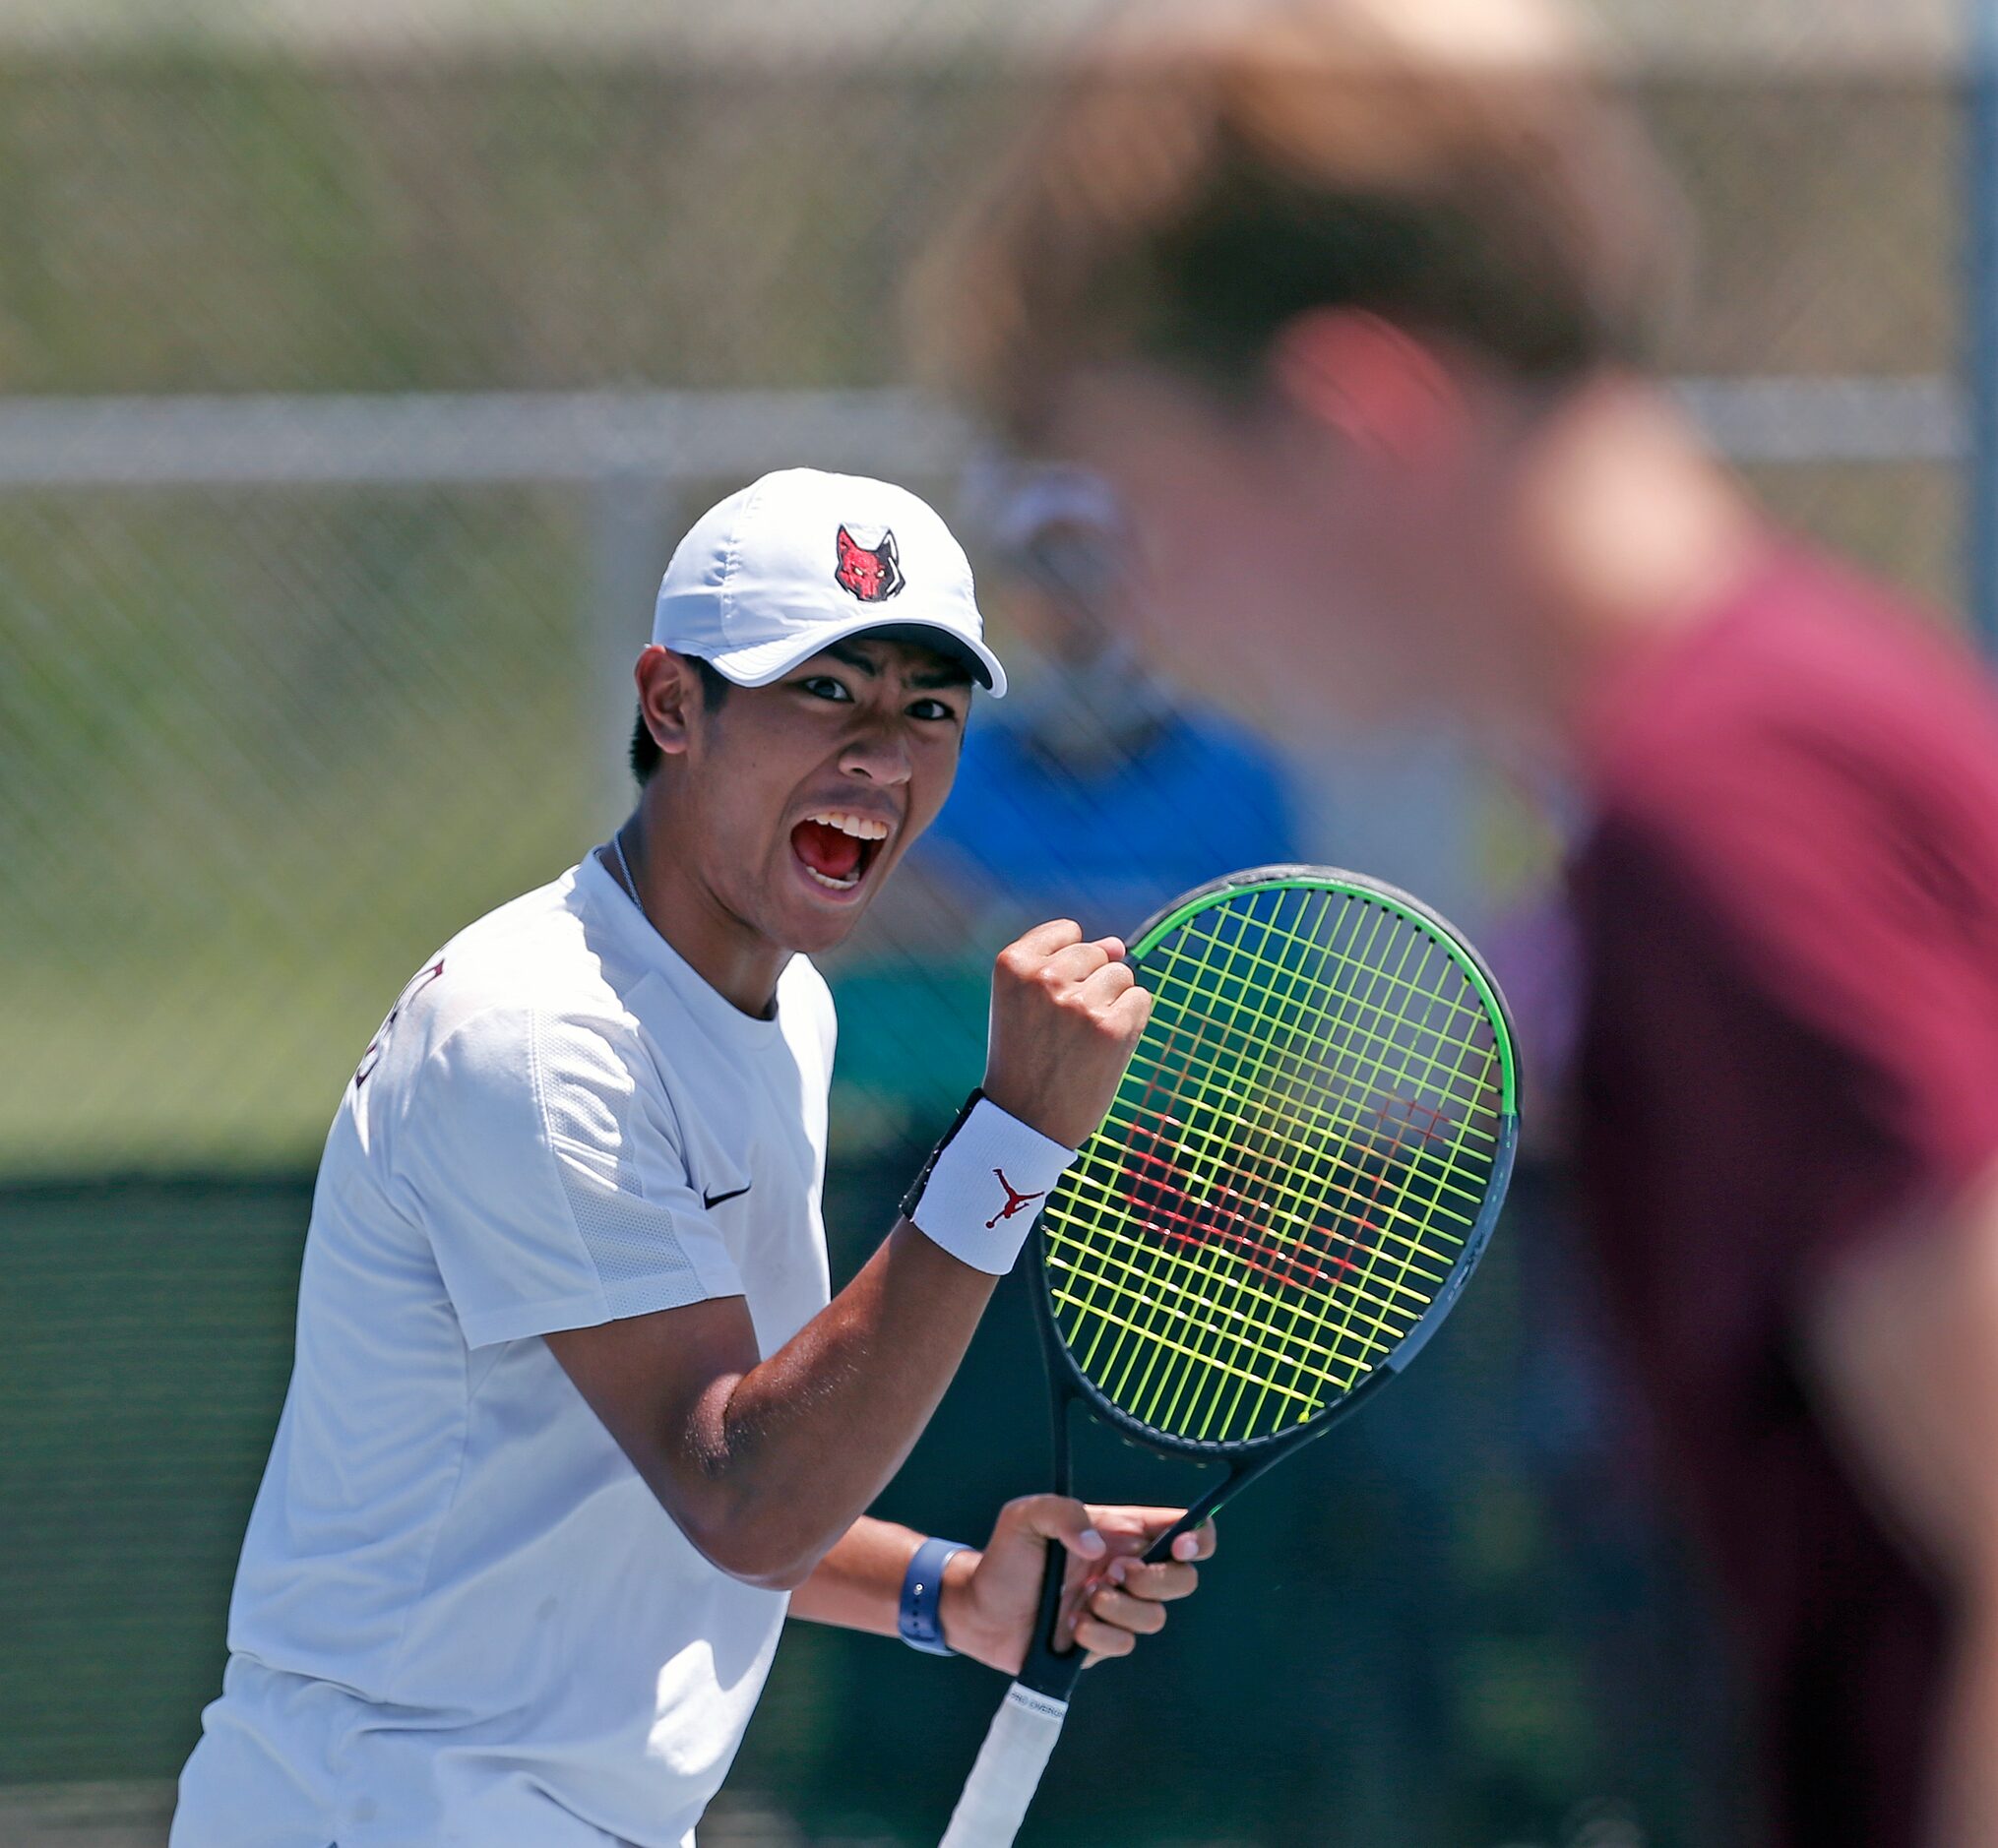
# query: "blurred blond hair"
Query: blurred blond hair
1206,169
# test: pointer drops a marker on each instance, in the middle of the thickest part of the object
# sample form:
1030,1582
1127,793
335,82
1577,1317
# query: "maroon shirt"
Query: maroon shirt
1788,913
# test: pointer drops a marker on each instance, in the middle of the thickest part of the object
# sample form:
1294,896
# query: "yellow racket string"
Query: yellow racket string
1290,1168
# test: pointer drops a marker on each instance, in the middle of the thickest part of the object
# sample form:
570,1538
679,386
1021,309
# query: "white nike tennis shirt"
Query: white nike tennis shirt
459,1616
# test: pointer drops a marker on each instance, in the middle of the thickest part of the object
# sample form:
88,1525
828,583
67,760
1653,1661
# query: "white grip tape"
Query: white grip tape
987,1187
1008,1771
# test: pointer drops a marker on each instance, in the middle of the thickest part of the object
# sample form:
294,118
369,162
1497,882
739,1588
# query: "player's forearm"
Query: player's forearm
858,1585
788,1455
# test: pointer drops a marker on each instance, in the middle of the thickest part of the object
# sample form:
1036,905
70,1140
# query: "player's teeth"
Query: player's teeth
834,885
860,826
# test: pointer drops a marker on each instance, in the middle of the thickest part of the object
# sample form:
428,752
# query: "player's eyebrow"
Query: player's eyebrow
854,658
948,674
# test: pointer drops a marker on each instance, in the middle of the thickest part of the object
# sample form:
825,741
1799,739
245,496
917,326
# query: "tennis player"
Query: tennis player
1353,301
572,1423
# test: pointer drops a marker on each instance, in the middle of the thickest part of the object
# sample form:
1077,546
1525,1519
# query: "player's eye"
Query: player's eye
825,687
933,709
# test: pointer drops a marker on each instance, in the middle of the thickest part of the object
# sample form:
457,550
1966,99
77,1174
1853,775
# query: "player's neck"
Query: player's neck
1625,530
737,961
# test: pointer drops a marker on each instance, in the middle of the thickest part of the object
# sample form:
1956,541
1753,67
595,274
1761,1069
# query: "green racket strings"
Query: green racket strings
1292,1166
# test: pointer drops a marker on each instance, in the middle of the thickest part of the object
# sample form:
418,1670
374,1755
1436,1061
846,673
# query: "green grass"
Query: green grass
256,762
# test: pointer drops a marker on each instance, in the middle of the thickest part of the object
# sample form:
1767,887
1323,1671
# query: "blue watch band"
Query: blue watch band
922,1589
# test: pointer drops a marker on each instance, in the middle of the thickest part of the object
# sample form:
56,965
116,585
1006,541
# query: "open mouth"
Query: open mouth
837,848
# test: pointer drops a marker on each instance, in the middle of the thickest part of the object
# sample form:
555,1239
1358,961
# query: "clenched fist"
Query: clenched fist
1066,1015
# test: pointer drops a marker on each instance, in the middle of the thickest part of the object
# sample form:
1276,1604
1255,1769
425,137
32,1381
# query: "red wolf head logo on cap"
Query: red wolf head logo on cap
873,573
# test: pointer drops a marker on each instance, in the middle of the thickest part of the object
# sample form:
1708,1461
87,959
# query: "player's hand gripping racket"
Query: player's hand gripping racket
1299,1173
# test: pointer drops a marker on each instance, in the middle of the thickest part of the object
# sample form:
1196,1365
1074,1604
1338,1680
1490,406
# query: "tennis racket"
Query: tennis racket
1297,1177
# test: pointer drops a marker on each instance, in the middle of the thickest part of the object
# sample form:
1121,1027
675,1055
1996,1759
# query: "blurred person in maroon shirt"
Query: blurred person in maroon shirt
1353,301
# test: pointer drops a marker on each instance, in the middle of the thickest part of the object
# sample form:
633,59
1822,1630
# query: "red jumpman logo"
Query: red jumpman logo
1015,1201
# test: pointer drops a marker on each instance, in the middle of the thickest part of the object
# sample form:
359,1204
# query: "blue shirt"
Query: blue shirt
1198,799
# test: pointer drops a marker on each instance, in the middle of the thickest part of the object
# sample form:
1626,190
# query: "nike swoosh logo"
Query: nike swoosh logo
712,1200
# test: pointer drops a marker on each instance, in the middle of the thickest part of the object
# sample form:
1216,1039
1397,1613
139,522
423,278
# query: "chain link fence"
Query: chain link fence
359,387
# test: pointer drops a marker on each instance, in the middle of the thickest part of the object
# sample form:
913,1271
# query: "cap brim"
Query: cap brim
766,662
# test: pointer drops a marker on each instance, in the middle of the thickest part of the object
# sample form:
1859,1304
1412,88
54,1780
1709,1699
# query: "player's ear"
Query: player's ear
1386,391
669,692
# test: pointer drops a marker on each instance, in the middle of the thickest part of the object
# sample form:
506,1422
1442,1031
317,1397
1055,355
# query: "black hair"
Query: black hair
645,748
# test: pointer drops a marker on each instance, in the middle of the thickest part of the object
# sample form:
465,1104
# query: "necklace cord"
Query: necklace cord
624,867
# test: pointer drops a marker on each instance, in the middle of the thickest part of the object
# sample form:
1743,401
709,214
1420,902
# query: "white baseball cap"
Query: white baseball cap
801,560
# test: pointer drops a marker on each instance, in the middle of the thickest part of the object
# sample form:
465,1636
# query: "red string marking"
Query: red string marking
1237,1226
1155,1183
1397,1152
1152,1178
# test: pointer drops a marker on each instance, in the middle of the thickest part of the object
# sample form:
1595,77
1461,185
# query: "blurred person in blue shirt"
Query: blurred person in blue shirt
1100,792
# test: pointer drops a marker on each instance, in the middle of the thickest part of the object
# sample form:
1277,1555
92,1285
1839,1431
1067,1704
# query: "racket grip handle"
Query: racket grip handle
1008,1771
1047,1671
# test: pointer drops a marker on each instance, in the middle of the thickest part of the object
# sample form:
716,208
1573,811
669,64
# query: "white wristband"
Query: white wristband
986,1186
